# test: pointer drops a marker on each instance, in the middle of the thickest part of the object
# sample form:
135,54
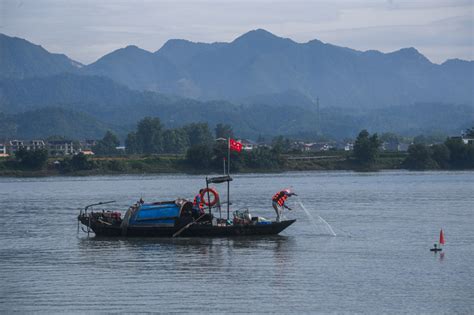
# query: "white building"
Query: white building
60,147
3,150
248,145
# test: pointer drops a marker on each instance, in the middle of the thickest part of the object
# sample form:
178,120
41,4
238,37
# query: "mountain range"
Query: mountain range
260,83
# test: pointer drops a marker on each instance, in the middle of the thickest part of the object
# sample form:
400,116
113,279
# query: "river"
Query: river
378,262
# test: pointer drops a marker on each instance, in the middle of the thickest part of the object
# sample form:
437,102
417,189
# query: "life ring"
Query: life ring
205,200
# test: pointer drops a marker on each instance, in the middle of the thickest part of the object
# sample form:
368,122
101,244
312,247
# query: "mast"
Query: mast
228,182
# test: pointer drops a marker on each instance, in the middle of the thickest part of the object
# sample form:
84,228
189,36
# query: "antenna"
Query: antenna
318,116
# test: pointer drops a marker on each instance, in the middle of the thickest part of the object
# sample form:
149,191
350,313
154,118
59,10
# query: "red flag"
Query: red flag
234,145
441,237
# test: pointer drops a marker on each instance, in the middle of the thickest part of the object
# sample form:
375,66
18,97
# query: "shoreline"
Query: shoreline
33,176
176,164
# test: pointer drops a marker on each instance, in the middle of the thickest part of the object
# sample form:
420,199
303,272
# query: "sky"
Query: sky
88,29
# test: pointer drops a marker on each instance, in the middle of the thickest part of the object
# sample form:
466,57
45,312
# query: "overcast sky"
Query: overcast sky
86,30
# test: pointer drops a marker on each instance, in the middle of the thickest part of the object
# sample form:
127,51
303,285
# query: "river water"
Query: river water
379,262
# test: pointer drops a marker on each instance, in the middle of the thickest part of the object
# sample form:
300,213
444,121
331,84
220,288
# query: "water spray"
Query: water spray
311,218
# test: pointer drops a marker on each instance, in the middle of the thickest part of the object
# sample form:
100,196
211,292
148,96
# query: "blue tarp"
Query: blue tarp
156,214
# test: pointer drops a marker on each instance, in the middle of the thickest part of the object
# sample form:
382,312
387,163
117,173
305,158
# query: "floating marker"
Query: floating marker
441,242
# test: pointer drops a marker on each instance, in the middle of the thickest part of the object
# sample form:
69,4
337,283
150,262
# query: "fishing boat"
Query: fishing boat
176,218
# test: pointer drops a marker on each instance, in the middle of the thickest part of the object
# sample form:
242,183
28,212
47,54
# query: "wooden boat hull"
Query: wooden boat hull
196,230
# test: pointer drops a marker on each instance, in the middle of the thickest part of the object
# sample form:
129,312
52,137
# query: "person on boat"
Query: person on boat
278,201
198,205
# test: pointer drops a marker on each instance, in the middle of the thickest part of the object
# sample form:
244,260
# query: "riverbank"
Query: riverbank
163,164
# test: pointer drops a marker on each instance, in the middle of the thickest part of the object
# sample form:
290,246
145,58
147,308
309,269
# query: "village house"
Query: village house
60,147
392,145
345,146
464,139
247,144
318,147
88,144
3,150
15,145
86,152
468,136
468,139
349,146
36,145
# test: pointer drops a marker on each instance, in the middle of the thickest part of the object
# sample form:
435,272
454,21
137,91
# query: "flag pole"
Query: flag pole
228,156
228,182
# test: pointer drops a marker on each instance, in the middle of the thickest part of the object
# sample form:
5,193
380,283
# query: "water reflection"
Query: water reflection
187,254
145,243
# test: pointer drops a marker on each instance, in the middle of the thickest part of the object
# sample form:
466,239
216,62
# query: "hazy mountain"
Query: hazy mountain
419,118
45,122
97,104
138,69
289,98
22,59
260,63
275,81
98,96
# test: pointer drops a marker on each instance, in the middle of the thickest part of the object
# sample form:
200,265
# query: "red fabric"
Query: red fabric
235,146
441,237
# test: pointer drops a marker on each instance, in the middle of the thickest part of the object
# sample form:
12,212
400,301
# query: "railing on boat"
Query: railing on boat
84,212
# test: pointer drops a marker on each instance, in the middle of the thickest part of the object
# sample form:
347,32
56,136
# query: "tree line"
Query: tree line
454,153
204,150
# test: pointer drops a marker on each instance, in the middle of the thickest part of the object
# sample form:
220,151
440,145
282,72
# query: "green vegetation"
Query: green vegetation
82,107
31,160
199,154
25,162
419,158
152,138
108,145
453,154
470,133
366,149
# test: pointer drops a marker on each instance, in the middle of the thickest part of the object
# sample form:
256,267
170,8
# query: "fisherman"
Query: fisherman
198,205
278,201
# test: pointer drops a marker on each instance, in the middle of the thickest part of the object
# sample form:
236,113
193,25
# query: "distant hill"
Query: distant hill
265,85
260,63
22,59
41,123
97,96
136,68
87,106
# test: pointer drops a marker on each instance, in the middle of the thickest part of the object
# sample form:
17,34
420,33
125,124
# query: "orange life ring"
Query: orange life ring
213,201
